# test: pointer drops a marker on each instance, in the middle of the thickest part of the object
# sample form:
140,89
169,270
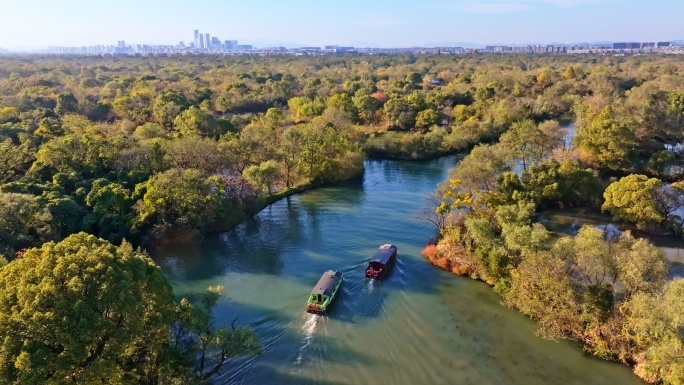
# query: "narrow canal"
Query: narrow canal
418,326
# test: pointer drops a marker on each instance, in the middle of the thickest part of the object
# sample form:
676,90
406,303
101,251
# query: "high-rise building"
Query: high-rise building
197,39
201,41
207,41
230,44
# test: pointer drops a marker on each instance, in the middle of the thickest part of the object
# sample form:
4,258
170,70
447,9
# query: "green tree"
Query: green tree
84,311
399,113
67,215
182,201
289,151
528,143
66,102
23,222
463,112
655,322
196,336
194,121
49,129
481,169
427,118
263,176
366,105
641,266
149,131
343,103
632,199
541,289
168,106
608,140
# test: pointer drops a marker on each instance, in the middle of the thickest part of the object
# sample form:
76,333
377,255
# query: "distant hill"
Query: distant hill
2,50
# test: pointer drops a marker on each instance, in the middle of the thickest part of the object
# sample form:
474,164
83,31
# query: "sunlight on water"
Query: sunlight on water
417,325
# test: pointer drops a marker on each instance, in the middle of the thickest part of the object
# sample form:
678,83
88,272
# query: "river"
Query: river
420,325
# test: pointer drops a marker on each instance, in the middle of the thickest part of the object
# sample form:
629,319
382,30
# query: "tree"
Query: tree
67,215
655,322
541,289
463,112
641,266
194,152
195,336
366,105
480,170
23,222
66,102
15,160
262,176
399,113
83,310
291,146
529,143
343,103
569,74
168,106
193,122
427,118
632,199
149,131
608,140
49,129
184,201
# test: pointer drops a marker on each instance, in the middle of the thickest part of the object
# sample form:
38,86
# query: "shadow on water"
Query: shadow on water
417,325
270,375
312,339
345,196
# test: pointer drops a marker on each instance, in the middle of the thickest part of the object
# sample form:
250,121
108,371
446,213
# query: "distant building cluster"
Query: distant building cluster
614,48
205,43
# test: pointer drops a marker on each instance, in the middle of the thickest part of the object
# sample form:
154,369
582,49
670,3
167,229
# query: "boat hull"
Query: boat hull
374,274
323,308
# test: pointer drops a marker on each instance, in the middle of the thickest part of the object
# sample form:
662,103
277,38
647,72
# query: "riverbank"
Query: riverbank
522,281
456,331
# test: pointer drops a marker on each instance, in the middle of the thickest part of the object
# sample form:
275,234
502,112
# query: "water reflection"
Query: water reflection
568,221
418,325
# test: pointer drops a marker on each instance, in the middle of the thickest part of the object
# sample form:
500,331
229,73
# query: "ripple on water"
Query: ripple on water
419,325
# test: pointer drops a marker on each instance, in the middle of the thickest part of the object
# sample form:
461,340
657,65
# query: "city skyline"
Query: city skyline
381,23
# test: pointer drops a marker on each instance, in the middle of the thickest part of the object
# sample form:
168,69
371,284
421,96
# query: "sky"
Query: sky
26,24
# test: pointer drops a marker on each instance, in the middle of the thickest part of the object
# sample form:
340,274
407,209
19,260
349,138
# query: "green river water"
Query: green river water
420,325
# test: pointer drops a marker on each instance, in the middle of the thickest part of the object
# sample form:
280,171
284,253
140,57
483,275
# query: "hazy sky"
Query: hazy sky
41,23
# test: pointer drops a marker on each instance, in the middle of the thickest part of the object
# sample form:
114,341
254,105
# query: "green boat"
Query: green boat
323,294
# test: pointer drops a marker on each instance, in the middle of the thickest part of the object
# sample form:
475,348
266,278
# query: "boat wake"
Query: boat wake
309,329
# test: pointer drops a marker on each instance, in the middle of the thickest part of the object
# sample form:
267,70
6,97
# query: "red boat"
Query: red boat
381,261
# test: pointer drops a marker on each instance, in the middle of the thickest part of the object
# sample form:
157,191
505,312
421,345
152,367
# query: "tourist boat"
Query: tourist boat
323,294
381,261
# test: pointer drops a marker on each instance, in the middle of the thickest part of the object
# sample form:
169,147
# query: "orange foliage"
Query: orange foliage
430,252
443,263
459,269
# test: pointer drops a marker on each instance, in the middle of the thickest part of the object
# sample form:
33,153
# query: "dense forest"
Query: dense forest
607,289
102,156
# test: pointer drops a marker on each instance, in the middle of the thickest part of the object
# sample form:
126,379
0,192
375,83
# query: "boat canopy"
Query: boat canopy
384,253
326,285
